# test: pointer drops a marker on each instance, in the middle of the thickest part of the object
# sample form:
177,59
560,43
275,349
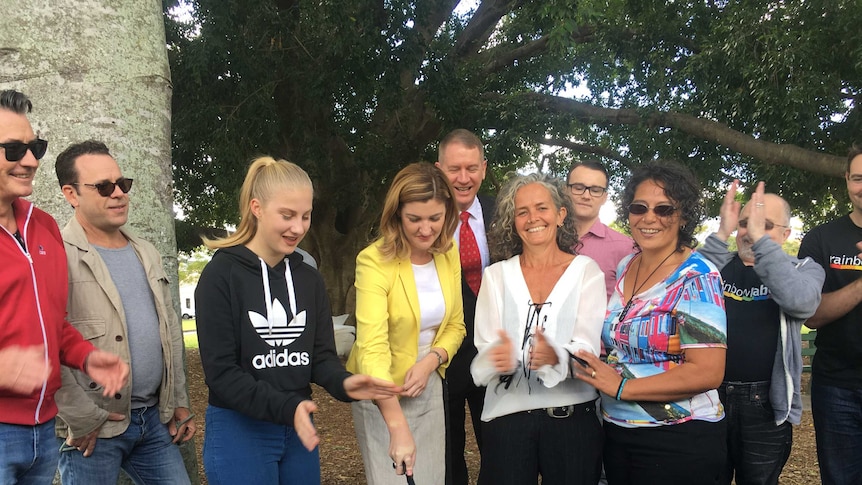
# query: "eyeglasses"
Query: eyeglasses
595,190
768,225
105,189
662,210
16,150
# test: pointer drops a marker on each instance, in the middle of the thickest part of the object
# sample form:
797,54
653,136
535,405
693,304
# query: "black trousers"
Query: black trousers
694,452
564,451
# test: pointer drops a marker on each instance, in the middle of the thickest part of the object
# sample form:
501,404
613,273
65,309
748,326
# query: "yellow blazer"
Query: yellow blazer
387,314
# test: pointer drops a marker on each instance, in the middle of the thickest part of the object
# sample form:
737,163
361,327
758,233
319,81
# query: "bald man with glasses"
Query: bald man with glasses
119,298
768,295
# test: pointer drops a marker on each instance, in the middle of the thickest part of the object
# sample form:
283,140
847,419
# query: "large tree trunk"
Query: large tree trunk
97,69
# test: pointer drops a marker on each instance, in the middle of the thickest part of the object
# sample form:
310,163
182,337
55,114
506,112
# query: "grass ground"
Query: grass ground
191,339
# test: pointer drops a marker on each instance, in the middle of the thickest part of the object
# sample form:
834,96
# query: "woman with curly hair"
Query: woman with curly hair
536,307
666,327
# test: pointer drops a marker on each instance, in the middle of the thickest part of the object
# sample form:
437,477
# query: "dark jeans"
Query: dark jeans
521,446
757,449
694,452
838,425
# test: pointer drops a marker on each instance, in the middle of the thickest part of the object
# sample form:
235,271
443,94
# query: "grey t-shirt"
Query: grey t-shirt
142,323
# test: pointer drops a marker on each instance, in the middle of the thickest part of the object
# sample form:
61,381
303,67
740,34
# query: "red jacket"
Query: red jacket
33,291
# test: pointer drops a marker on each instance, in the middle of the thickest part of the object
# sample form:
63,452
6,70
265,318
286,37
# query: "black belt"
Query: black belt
562,412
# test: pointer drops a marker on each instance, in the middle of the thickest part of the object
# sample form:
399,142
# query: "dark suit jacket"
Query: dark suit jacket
458,375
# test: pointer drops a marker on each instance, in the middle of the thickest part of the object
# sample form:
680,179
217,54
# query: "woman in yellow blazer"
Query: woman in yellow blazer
409,323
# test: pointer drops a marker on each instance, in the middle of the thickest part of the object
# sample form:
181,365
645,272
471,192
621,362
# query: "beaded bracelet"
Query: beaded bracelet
620,389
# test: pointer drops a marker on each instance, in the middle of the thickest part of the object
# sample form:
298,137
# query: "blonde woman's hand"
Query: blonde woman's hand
361,386
402,450
417,376
304,427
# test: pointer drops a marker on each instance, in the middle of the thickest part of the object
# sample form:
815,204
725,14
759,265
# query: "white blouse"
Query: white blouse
572,319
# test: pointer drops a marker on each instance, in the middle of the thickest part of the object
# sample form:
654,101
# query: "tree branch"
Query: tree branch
583,148
481,25
765,151
429,24
502,57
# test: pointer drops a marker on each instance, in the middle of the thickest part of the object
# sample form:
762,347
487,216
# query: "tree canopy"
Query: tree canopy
354,90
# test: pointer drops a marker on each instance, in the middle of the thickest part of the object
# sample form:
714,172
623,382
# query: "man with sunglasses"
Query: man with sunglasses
120,299
768,295
34,335
588,187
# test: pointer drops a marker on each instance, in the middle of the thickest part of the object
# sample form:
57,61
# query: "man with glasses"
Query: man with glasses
588,188
120,299
836,382
461,157
768,295
34,335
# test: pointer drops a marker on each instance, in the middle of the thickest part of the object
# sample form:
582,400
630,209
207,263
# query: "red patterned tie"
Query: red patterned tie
471,259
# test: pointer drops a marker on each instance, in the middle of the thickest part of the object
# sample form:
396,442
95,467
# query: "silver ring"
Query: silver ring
593,375
759,204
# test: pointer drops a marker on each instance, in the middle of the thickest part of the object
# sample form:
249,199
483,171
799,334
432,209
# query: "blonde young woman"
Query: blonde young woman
265,334
409,324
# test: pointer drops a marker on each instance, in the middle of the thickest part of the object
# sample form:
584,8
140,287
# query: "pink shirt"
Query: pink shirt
607,247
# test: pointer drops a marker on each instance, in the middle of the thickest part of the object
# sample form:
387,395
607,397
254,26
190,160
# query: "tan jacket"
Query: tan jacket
95,309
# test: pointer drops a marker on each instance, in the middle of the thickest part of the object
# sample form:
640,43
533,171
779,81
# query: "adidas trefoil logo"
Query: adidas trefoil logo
281,334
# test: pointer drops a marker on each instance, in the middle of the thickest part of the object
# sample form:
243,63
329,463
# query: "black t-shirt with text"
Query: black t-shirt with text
838,361
752,324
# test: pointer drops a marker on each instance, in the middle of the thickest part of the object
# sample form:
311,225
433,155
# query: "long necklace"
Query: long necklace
637,288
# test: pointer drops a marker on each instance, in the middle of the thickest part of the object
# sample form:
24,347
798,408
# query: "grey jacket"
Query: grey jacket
95,309
795,286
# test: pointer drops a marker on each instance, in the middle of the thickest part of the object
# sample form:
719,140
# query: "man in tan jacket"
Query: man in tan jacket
119,299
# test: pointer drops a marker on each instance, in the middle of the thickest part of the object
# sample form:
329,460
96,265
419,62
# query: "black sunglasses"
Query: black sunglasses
105,189
16,150
663,210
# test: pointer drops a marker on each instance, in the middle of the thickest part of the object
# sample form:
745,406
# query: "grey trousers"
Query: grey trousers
425,417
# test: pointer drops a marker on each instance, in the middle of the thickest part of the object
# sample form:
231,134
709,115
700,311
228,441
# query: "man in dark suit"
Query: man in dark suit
462,158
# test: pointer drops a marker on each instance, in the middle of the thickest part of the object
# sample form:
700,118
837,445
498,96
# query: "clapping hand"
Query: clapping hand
501,354
541,352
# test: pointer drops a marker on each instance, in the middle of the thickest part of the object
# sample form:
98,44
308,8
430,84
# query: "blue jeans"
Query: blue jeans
838,426
240,449
757,449
28,454
144,451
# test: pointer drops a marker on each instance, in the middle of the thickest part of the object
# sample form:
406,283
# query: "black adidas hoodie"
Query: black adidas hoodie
260,361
